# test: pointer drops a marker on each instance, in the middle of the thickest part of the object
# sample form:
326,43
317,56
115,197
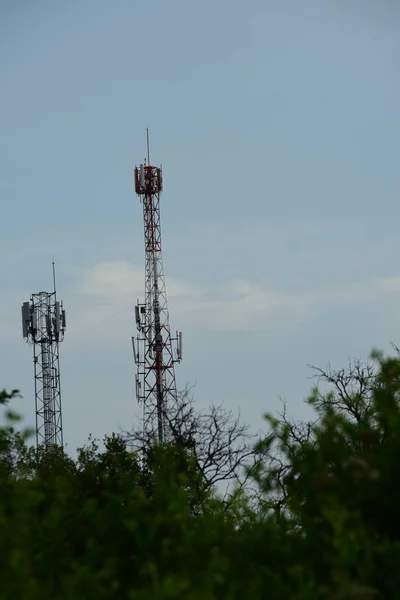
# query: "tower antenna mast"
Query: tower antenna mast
153,347
43,326
54,276
148,147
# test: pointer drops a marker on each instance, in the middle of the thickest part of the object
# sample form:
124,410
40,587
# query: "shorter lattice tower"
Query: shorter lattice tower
154,355
43,326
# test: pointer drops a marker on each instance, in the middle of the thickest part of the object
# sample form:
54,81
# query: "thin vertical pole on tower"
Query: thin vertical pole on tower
54,276
148,146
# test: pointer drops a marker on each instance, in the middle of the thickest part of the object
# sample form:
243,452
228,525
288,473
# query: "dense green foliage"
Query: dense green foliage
320,521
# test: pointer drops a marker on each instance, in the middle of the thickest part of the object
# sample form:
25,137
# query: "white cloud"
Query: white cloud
102,304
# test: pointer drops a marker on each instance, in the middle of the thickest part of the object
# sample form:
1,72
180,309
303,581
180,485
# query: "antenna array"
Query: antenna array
153,352
43,326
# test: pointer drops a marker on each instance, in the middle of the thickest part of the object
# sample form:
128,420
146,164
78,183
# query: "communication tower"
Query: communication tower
153,349
43,326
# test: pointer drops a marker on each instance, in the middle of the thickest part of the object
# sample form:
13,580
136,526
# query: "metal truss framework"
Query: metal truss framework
43,322
154,356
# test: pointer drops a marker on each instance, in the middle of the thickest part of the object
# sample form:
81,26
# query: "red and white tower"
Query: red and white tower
153,347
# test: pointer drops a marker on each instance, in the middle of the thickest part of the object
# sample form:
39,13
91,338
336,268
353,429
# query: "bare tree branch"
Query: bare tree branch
217,440
351,390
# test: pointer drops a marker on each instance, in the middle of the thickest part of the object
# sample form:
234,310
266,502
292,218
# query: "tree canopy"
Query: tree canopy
312,513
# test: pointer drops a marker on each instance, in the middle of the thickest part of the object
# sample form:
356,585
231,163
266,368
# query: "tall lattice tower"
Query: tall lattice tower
153,349
43,326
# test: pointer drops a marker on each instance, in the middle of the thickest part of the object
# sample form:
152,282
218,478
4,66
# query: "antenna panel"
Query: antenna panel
134,350
180,345
26,317
138,387
58,321
48,326
159,180
141,177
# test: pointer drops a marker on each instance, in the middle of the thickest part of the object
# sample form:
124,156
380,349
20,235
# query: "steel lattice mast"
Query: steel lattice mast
153,351
43,325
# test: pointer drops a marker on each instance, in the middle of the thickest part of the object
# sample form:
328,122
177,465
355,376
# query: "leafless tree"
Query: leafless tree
226,452
220,444
350,390
347,392
274,454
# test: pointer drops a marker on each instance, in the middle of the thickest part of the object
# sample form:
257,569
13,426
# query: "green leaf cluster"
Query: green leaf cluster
321,522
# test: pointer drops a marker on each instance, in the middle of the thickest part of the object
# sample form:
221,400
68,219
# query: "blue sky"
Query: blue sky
278,128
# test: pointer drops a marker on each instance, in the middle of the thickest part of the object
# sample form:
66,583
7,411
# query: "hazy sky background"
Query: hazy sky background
277,124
